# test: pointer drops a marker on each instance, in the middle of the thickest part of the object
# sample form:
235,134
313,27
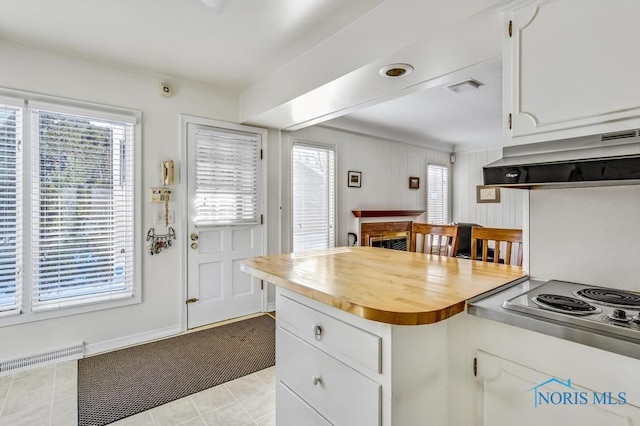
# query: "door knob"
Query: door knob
194,245
194,236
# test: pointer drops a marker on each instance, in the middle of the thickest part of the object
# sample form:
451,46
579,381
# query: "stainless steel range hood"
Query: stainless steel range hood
609,159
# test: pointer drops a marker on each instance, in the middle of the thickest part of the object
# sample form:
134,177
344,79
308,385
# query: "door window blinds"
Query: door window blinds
82,209
227,176
313,196
437,194
10,210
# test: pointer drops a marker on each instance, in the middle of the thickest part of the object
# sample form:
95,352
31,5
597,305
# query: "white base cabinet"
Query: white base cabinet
570,68
334,368
530,379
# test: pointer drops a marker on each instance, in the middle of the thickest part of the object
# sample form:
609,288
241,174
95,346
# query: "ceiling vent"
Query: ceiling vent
465,86
619,135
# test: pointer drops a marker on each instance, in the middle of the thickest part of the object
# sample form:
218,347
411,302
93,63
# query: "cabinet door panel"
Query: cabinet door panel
515,394
572,65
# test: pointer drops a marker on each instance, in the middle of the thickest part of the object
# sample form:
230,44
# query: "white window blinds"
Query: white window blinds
10,210
437,194
83,209
227,170
313,197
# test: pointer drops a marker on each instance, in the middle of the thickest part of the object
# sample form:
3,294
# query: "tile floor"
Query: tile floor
47,396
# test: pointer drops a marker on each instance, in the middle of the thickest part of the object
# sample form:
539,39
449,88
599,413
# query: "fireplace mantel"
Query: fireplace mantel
386,213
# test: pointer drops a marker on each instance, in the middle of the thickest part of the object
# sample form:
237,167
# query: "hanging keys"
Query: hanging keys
159,242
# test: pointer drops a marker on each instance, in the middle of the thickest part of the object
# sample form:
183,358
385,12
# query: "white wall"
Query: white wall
467,174
586,235
159,313
385,166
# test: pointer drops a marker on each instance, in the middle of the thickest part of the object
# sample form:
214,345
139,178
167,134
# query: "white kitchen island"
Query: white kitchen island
364,334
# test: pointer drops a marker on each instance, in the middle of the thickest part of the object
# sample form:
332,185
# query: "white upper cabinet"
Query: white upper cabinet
571,68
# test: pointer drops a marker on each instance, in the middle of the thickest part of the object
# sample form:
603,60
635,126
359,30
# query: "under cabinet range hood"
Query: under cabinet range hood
608,159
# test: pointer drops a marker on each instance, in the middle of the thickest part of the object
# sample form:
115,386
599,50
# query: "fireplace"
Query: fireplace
390,240
391,235
389,229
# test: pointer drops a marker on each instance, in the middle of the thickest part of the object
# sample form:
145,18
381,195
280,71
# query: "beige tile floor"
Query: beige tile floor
47,396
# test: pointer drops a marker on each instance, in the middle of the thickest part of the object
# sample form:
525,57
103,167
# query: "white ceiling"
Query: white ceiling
467,120
236,43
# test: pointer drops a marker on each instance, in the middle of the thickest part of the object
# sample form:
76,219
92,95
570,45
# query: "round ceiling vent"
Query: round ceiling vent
396,70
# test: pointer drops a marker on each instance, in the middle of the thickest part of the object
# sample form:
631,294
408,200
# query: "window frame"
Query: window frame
324,146
18,105
27,101
448,195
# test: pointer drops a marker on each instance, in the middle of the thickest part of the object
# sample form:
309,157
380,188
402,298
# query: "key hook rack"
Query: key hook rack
159,242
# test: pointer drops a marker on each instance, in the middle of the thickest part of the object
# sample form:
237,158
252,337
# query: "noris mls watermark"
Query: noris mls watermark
571,396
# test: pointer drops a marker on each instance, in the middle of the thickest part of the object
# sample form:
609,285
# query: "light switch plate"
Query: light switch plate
158,217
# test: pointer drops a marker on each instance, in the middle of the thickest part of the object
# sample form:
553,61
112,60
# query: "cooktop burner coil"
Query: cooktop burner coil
610,297
565,304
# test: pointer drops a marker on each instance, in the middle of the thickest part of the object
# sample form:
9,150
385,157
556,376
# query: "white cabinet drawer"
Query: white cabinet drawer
329,333
336,391
293,411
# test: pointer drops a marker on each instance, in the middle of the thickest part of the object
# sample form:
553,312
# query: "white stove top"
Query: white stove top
616,313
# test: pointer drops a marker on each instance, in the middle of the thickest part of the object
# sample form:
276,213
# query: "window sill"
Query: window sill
28,317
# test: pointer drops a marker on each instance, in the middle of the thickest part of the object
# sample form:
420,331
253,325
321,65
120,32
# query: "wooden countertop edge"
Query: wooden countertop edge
373,314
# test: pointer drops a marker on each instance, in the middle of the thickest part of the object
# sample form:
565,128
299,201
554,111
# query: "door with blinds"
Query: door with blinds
225,214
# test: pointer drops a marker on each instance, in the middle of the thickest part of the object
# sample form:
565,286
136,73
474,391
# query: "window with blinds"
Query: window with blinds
82,229
67,207
10,210
227,171
313,196
437,194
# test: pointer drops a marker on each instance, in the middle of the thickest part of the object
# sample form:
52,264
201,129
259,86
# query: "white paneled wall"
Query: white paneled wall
467,174
385,166
587,235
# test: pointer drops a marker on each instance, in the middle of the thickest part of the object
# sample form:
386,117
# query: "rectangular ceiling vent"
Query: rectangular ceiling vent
619,135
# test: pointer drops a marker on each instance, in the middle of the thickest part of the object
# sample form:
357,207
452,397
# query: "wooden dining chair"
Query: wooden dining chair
434,239
497,236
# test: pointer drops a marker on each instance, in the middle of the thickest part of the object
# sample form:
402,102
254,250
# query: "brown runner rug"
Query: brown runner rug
120,384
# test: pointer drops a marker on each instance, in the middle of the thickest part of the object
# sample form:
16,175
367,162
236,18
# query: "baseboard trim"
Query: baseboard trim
131,340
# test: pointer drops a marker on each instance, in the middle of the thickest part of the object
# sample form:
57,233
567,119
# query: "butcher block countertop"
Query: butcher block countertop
389,286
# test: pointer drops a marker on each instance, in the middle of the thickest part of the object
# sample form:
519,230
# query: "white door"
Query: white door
224,223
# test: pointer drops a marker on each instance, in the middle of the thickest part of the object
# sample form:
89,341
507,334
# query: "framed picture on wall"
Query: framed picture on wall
487,194
354,179
414,182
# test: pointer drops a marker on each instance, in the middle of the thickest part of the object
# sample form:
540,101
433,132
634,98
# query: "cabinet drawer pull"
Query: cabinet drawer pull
317,381
317,332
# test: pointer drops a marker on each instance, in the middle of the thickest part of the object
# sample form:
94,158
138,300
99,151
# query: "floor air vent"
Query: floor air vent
66,354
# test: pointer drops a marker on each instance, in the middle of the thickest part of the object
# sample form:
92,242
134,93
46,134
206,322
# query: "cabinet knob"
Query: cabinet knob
317,381
317,332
